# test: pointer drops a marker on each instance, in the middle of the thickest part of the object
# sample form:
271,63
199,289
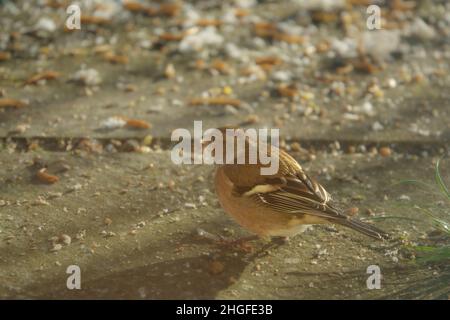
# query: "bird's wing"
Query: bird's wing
314,187
291,169
292,195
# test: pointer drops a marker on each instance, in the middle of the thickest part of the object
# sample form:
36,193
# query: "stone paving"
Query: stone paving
129,217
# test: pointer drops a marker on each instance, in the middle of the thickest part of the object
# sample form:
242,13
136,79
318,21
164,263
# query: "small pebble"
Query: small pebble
385,151
216,267
56,247
65,239
353,211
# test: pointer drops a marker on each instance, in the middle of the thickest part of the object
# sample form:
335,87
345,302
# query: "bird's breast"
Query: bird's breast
251,215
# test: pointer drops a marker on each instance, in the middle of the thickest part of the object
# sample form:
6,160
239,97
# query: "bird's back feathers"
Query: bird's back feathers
291,191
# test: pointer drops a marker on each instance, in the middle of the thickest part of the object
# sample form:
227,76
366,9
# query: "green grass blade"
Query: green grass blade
433,254
412,181
439,224
442,225
425,248
440,181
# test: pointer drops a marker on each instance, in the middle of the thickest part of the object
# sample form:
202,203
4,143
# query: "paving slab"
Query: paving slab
133,218
406,100
128,217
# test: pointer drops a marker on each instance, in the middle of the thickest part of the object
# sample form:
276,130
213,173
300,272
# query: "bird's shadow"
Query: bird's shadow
201,276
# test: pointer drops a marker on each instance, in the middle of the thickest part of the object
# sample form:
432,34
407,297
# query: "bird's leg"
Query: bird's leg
280,240
241,243
271,244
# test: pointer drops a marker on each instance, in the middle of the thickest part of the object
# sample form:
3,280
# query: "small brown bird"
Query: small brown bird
281,204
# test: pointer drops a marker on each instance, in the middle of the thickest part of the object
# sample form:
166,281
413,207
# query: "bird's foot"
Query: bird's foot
280,240
241,243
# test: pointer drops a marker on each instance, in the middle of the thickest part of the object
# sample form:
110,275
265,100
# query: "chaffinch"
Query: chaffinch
282,204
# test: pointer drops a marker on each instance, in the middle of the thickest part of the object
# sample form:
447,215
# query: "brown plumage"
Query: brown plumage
280,204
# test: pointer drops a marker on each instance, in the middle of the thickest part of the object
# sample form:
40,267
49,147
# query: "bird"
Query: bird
282,204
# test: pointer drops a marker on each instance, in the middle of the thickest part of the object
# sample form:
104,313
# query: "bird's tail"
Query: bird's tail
364,228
